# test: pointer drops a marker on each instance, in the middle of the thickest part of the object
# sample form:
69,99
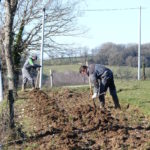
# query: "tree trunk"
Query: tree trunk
8,44
9,16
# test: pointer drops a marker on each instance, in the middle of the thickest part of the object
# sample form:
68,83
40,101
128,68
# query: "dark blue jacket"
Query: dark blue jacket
96,72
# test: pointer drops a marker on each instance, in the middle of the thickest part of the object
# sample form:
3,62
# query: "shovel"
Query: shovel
90,85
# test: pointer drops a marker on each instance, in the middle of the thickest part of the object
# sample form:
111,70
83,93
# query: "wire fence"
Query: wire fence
73,78
57,79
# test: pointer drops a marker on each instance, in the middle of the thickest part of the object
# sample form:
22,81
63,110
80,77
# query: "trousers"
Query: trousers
27,77
107,81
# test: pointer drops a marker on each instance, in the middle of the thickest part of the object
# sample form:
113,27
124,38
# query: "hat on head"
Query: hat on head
34,57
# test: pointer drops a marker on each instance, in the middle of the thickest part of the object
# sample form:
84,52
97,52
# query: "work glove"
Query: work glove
94,95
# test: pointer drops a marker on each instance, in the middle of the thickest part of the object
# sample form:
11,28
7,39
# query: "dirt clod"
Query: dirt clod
65,120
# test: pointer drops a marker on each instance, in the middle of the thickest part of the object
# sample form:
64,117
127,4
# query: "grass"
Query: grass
61,68
135,93
3,106
119,71
24,120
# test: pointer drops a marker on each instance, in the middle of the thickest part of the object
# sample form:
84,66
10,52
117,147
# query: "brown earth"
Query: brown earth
66,120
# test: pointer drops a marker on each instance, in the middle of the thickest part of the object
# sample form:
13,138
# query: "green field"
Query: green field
61,68
136,93
121,72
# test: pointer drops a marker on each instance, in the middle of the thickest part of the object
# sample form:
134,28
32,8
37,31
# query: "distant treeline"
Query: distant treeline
109,54
121,55
67,60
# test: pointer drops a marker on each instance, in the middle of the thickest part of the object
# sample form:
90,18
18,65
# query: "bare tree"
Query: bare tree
59,21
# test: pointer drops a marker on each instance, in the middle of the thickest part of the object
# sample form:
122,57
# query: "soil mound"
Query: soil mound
67,120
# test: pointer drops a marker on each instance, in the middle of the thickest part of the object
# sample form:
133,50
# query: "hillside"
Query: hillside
66,119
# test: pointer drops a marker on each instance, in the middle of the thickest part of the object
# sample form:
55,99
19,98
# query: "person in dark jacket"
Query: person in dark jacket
102,79
26,71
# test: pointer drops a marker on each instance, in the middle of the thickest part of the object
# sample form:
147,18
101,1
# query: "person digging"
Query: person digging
102,79
26,71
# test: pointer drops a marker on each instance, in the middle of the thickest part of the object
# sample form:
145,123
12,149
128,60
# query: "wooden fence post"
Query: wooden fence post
51,78
144,76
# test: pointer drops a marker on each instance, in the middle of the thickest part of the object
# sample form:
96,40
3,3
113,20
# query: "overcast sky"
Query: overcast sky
118,26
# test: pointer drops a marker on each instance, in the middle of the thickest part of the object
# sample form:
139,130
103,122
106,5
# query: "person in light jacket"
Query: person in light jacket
26,71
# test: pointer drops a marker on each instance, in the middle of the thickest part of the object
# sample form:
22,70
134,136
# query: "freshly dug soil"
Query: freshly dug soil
67,120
